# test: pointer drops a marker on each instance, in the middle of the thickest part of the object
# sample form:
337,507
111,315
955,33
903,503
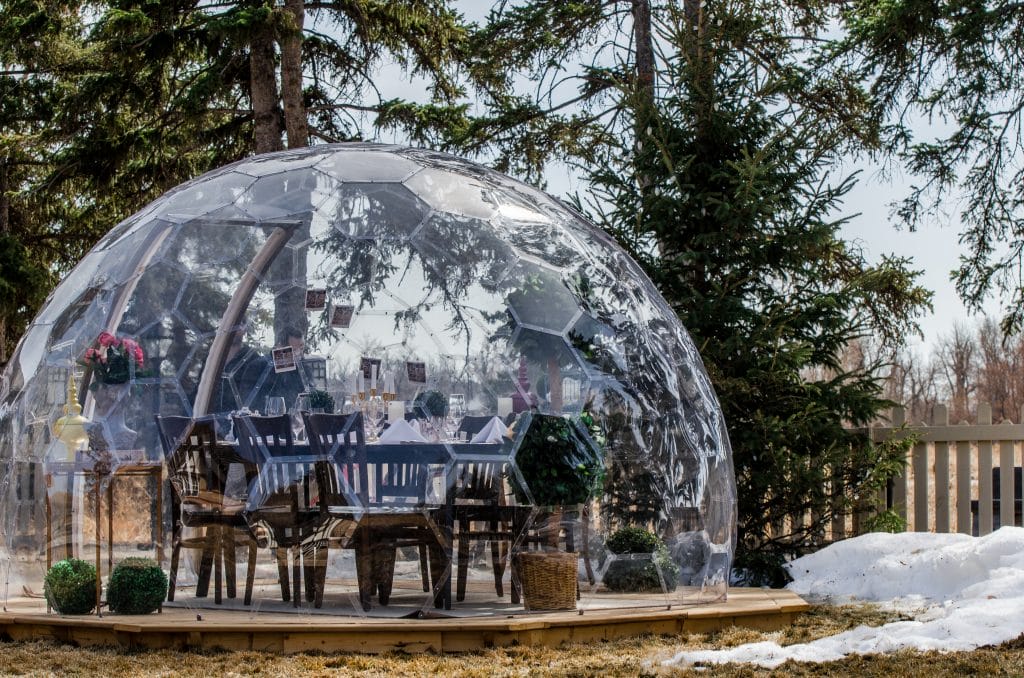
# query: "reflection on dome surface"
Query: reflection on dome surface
472,382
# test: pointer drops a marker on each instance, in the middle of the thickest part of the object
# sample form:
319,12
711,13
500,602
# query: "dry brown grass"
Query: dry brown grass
620,658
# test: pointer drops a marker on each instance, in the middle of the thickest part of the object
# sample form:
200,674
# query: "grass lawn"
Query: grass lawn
622,658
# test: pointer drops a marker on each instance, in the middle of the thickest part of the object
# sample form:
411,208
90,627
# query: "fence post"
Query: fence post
941,418
899,484
919,463
1006,494
984,473
963,485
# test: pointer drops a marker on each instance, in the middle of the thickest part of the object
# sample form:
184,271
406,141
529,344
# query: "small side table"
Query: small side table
131,464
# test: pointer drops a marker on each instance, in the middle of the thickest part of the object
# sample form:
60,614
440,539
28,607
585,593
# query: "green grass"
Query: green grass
619,658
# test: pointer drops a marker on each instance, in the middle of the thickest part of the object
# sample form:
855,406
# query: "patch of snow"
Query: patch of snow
965,592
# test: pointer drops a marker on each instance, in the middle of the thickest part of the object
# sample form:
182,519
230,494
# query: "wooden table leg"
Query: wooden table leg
69,501
160,517
110,525
98,581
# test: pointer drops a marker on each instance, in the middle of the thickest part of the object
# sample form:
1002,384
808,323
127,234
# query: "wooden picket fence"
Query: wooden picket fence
956,475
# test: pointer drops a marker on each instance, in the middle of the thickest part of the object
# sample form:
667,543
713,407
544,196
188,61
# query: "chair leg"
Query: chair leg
173,578
250,571
218,562
206,563
320,574
424,569
364,573
281,556
296,556
309,571
228,538
585,547
384,571
497,563
463,560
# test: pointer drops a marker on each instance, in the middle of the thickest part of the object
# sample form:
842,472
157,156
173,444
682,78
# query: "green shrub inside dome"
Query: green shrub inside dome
70,586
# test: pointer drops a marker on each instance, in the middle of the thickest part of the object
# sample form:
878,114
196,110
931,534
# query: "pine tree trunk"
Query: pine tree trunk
555,385
263,90
5,228
295,123
644,90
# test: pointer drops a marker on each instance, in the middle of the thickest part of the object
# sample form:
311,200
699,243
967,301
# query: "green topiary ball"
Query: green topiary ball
137,586
640,574
70,586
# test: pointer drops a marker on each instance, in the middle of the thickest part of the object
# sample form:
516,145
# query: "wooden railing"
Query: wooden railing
958,478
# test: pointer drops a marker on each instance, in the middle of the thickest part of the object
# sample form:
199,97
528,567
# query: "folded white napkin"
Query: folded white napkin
401,432
492,432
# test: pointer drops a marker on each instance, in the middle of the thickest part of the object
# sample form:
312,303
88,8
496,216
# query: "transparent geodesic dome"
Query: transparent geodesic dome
515,386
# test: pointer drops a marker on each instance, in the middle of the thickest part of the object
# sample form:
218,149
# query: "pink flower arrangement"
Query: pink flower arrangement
113,360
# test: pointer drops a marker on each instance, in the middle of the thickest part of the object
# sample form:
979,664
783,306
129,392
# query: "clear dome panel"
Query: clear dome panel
472,389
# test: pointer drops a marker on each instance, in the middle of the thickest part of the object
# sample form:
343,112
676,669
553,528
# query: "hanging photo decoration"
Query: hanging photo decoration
370,367
284,359
417,372
316,299
341,316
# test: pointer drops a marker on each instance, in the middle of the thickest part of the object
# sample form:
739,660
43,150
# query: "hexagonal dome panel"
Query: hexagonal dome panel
452,378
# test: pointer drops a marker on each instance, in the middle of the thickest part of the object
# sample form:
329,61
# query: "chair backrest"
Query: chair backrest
172,431
191,467
261,438
338,441
480,482
473,424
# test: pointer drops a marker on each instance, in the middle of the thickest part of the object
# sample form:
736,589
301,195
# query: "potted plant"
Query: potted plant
70,586
114,362
431,403
561,467
640,562
321,401
136,586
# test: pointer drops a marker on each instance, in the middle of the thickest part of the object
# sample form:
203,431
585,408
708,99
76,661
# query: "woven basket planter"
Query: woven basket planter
548,579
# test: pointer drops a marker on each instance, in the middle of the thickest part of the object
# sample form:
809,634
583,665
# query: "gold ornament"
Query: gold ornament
70,429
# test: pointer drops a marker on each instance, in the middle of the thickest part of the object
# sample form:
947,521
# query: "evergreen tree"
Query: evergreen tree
722,186
128,99
946,79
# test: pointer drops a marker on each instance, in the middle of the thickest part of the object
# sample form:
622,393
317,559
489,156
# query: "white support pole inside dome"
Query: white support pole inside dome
236,309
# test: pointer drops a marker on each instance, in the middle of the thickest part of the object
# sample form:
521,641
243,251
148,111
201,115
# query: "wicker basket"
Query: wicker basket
548,579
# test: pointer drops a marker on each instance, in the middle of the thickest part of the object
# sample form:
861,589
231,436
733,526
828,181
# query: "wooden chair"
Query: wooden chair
473,424
197,469
482,514
278,506
339,437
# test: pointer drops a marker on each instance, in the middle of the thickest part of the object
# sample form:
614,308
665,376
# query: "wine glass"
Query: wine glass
275,406
456,411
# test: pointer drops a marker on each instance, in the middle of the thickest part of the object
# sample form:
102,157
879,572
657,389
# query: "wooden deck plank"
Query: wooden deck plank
279,632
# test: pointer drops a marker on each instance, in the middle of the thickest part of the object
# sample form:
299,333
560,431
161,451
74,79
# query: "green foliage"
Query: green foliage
559,462
731,207
639,574
70,586
136,586
959,63
321,400
431,403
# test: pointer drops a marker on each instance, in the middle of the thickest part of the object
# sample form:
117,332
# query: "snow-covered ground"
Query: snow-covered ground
965,592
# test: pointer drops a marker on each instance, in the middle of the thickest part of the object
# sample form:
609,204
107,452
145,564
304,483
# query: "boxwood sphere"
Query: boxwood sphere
70,586
137,586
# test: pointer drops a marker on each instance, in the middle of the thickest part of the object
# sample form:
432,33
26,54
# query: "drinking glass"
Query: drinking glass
456,411
275,406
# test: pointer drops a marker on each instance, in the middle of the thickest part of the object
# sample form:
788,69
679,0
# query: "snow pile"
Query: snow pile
969,592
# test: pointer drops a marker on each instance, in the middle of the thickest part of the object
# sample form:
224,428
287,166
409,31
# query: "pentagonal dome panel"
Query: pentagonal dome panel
496,385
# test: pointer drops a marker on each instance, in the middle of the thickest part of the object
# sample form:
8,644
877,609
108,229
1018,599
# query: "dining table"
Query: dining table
442,461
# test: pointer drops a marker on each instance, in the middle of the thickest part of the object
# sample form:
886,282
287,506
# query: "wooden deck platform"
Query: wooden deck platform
26,619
